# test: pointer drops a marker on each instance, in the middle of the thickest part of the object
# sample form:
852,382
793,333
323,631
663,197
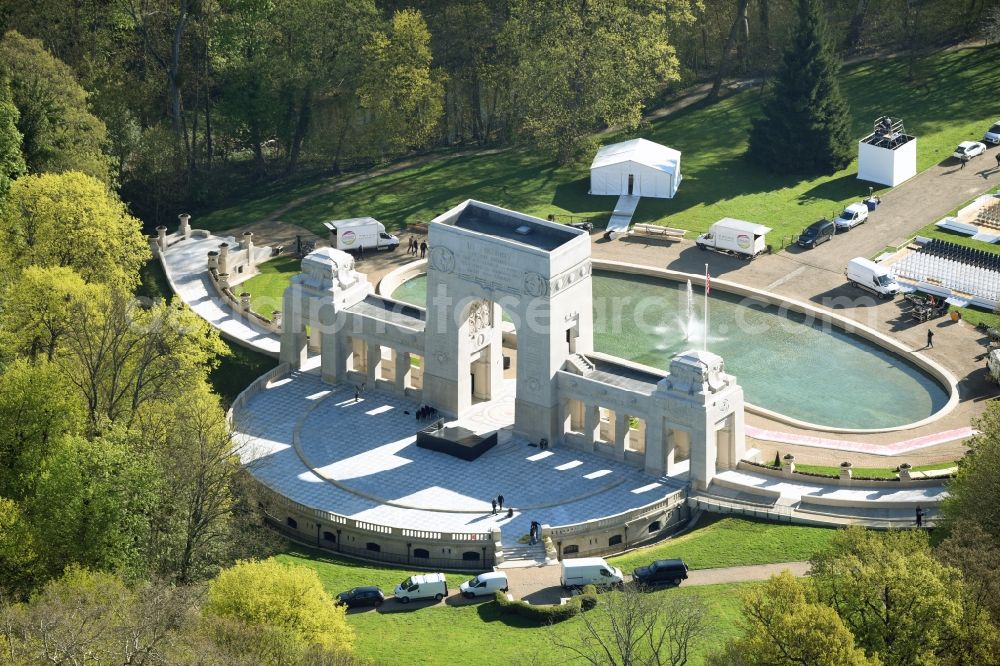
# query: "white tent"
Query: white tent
637,167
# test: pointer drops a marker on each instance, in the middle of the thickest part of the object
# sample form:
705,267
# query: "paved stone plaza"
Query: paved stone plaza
313,443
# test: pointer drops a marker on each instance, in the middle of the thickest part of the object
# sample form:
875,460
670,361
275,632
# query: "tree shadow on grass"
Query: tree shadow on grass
835,190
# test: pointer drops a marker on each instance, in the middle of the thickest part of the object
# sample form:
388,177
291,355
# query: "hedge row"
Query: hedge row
548,614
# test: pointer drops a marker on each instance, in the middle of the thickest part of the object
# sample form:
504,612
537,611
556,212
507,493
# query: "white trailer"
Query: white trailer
743,239
360,233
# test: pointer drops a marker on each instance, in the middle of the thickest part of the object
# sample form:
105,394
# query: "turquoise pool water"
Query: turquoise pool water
785,362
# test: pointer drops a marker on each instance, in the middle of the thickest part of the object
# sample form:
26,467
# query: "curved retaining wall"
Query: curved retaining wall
933,369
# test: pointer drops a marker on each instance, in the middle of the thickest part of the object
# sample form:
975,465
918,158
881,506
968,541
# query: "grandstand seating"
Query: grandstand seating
956,267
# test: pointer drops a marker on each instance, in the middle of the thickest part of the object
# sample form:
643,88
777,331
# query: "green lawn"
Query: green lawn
268,287
442,634
727,541
477,634
870,472
717,181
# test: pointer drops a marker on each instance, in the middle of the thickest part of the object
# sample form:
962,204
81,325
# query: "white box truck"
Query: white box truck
873,277
360,233
589,571
423,586
743,239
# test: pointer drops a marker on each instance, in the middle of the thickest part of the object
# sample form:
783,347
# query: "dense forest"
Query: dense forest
182,103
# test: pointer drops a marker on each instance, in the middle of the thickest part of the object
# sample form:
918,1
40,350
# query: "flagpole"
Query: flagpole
707,287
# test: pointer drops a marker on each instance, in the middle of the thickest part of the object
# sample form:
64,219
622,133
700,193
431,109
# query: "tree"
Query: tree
197,453
581,65
71,219
315,62
11,159
636,627
974,494
93,617
18,555
972,513
782,627
976,553
59,132
286,603
37,409
398,87
740,29
37,307
93,505
122,357
900,602
805,127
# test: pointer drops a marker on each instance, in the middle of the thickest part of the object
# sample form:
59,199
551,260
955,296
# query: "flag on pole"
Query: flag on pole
708,287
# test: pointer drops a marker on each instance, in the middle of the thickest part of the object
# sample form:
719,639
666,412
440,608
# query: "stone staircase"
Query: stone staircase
579,364
520,555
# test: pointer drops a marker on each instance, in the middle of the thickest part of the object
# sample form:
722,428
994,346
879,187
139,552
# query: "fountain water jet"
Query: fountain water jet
690,312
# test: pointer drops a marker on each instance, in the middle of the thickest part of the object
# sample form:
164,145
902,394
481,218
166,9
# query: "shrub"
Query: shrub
547,614
588,600
777,459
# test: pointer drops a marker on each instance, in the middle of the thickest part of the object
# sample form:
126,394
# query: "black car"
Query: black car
661,572
361,596
816,233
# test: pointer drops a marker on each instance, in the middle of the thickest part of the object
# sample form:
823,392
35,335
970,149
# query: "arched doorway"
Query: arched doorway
484,260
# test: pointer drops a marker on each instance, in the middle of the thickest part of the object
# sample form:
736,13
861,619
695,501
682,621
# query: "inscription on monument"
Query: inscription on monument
489,265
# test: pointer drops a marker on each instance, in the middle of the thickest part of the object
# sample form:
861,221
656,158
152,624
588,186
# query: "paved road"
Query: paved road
540,585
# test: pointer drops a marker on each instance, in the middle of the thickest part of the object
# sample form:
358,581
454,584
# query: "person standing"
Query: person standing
965,160
423,249
930,339
500,501
998,160
920,516
494,503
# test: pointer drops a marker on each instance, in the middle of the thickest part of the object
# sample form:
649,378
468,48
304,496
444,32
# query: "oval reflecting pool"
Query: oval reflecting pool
788,363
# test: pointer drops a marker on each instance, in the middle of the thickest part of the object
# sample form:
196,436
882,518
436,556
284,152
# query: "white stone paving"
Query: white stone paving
186,266
797,491
367,455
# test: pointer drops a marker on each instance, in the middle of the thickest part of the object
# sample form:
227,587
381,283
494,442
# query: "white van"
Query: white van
424,586
852,216
866,274
589,571
484,584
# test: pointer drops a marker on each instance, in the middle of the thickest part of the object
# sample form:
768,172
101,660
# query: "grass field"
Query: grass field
442,634
268,287
477,634
870,472
450,635
718,182
726,542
